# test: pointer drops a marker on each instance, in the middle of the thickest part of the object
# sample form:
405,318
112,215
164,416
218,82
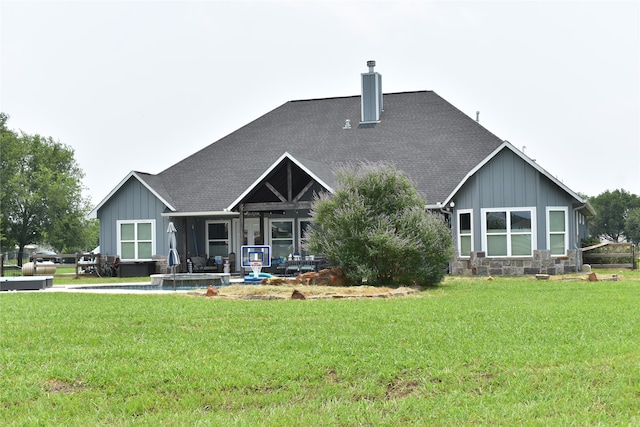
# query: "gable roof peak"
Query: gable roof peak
143,178
286,155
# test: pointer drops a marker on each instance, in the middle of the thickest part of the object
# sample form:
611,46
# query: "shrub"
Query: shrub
375,227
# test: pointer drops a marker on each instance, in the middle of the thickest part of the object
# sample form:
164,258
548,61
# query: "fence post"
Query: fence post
2,265
77,265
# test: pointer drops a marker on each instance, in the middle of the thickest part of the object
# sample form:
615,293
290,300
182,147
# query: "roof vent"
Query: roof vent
371,99
347,124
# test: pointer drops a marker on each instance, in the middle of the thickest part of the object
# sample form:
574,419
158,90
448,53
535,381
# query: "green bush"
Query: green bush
376,228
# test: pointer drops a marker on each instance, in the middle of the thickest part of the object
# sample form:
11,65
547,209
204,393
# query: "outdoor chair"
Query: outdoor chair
292,270
306,268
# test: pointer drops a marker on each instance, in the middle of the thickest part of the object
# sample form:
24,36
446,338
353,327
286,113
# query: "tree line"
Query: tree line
41,199
617,216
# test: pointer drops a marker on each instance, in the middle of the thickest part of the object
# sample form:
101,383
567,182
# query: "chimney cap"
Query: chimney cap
371,64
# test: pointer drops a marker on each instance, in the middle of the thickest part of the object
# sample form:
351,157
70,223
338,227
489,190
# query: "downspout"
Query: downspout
576,236
448,213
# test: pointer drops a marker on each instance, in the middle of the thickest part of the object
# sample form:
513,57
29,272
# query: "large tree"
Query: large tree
41,193
375,227
632,226
612,209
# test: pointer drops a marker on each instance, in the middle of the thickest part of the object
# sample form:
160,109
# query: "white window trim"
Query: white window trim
566,227
293,232
136,222
228,239
460,212
483,230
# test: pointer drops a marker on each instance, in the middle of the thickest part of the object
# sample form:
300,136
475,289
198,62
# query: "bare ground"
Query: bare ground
265,292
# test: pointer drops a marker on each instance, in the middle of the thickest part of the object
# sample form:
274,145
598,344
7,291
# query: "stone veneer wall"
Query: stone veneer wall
162,264
541,263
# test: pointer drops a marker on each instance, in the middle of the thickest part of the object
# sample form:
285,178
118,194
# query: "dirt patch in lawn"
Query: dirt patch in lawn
267,292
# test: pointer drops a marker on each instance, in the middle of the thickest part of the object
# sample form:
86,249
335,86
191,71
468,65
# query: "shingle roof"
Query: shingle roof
156,182
420,133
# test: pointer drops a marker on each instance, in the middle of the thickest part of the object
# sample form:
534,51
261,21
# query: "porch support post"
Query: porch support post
262,230
184,235
241,231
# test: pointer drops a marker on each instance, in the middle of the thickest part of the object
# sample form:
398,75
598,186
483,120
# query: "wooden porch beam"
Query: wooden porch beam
276,192
304,190
289,181
275,206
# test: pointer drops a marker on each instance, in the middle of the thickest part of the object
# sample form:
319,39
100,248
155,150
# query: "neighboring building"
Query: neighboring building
256,185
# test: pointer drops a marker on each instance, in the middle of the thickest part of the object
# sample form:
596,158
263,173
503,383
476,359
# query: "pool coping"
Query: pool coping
95,288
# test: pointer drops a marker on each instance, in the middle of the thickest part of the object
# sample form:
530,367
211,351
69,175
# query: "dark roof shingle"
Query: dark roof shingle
420,133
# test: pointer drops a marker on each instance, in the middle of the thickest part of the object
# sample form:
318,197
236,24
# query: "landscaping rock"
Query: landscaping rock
307,278
273,281
297,295
337,277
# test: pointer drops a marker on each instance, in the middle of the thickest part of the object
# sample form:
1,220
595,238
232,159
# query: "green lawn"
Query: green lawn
503,352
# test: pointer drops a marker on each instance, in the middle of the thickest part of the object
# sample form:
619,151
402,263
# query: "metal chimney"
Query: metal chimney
371,99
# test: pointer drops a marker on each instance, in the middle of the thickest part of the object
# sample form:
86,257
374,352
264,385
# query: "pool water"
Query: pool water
190,280
139,287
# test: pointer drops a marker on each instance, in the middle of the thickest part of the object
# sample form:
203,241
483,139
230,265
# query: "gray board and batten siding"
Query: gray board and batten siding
509,181
132,201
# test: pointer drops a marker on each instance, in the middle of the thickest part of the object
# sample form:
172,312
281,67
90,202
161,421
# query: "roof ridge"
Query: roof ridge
357,96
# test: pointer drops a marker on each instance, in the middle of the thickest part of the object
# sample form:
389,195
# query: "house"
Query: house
256,185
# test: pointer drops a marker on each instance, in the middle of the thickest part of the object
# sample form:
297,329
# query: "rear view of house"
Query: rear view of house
507,214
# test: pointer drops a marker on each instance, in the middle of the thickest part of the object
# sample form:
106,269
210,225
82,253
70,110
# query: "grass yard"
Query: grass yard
503,352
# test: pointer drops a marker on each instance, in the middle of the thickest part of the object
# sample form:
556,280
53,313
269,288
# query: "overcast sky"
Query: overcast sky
139,85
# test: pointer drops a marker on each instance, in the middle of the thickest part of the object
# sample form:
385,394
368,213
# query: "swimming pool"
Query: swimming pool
191,280
166,283
141,287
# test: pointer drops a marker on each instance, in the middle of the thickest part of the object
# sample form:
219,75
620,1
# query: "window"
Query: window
303,226
281,238
508,232
136,239
557,236
465,233
218,238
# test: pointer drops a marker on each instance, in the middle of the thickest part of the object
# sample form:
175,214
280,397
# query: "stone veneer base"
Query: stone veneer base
540,263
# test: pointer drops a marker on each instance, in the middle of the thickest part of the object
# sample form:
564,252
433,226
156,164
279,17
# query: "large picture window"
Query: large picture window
218,238
136,239
465,233
508,232
557,236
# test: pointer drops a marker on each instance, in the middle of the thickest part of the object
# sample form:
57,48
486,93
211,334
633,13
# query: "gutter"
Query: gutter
211,213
